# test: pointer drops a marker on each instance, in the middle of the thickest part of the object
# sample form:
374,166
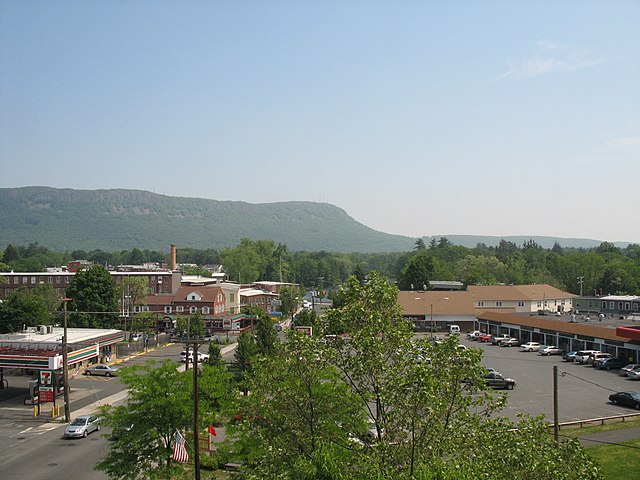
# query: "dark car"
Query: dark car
569,356
626,399
610,363
497,380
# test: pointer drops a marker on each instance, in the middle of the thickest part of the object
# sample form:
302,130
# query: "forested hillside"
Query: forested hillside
111,220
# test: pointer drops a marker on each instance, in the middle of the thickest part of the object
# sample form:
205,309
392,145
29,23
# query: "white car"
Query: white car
474,335
202,357
530,347
583,355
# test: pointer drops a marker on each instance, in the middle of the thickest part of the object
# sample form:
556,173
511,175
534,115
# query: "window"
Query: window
33,280
193,309
205,310
180,308
231,297
612,305
49,280
627,306
635,307
521,304
25,279
481,304
604,305
167,309
498,304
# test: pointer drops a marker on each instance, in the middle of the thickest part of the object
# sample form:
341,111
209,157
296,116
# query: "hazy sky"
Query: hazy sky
415,117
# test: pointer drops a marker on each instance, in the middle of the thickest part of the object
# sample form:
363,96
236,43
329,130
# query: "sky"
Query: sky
416,118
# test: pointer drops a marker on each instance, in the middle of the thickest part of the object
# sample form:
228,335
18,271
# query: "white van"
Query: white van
454,330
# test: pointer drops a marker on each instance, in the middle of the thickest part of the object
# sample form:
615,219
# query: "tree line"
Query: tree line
605,269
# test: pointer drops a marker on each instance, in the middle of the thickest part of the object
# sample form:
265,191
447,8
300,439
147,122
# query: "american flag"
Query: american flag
180,453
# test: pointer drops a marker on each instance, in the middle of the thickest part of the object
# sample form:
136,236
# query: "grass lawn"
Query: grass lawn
618,462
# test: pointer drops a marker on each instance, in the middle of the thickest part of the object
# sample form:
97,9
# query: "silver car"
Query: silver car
82,426
101,369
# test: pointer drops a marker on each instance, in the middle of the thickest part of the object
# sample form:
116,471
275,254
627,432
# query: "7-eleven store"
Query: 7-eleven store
40,349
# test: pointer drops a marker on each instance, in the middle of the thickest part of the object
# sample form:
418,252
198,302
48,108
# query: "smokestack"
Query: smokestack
173,263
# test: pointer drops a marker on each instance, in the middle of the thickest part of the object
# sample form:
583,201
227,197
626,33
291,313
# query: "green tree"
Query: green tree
430,419
192,326
244,262
266,337
28,307
289,297
417,273
94,299
160,402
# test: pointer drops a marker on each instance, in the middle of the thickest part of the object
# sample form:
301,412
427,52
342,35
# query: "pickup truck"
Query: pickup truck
497,380
498,339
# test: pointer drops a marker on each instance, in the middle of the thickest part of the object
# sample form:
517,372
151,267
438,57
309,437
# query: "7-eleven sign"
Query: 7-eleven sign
46,378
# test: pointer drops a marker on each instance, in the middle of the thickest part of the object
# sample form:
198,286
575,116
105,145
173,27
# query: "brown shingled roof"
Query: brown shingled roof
444,302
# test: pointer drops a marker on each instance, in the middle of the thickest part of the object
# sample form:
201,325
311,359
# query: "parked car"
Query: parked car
624,371
497,380
626,399
634,374
485,338
530,347
101,369
498,339
569,356
474,335
512,342
609,363
583,355
82,426
550,350
594,357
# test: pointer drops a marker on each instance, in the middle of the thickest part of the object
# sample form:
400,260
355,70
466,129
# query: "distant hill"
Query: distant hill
111,220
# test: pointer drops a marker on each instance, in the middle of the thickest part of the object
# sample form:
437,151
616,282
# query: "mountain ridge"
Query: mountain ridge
122,219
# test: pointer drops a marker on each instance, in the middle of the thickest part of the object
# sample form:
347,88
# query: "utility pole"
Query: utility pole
555,403
65,365
196,436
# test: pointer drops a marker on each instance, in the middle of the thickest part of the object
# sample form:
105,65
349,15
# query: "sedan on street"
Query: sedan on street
101,369
626,399
82,426
512,342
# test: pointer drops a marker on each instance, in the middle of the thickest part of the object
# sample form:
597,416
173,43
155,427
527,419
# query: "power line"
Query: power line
587,381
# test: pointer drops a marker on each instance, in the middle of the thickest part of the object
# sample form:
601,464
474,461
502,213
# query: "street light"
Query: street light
443,298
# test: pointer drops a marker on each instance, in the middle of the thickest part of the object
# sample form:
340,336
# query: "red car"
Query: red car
485,338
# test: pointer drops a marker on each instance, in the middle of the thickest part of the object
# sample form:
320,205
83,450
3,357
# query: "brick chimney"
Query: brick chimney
173,263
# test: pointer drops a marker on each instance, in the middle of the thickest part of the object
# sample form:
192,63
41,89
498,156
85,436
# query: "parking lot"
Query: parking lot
583,391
